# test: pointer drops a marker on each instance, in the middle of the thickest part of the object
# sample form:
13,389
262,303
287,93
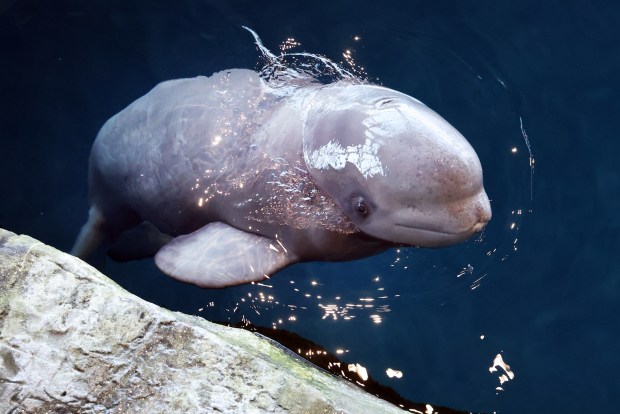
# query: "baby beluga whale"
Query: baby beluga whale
231,179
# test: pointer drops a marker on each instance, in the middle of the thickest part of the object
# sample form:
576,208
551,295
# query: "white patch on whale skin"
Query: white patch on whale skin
333,155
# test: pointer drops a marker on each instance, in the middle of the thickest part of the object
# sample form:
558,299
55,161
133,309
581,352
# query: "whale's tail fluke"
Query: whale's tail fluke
92,235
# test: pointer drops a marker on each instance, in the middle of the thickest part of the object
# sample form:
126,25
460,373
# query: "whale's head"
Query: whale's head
398,170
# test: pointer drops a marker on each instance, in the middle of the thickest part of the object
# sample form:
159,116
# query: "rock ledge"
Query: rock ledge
73,341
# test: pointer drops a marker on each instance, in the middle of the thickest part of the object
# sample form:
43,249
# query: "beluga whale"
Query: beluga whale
229,178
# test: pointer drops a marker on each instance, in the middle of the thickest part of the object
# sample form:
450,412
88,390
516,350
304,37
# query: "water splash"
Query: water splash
291,70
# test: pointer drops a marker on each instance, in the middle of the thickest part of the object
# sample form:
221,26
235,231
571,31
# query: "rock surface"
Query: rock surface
73,341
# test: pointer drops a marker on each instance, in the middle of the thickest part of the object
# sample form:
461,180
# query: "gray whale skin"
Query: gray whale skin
227,179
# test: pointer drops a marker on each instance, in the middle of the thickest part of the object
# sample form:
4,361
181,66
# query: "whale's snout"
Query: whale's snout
435,225
483,212
479,226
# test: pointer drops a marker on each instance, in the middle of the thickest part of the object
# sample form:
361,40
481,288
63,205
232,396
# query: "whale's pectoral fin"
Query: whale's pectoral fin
218,255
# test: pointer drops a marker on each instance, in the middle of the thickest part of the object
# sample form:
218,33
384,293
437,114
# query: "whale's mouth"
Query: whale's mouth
429,235
430,229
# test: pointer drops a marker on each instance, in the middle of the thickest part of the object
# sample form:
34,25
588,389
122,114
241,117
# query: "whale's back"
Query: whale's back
149,157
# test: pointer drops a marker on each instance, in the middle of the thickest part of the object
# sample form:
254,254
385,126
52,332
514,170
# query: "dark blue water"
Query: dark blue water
541,287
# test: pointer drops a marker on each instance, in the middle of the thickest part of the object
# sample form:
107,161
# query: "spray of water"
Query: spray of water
290,70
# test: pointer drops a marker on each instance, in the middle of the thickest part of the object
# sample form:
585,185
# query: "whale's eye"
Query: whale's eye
360,206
